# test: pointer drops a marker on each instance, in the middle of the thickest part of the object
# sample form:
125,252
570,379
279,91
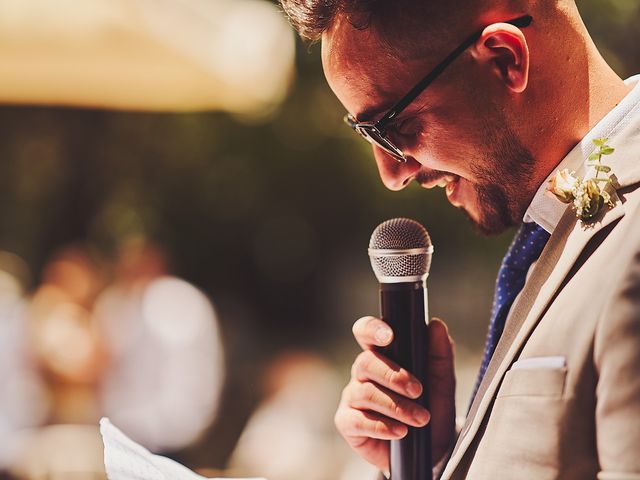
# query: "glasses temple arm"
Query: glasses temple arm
520,22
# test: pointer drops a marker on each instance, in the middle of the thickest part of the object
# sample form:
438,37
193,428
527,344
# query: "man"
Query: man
559,391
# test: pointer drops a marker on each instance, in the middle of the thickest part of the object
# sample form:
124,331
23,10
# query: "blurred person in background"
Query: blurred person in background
490,116
23,393
290,433
70,355
143,348
67,362
165,366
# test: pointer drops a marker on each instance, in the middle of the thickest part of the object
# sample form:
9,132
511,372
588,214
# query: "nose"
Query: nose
394,174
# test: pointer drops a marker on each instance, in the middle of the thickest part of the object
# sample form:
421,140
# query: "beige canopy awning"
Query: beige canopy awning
162,55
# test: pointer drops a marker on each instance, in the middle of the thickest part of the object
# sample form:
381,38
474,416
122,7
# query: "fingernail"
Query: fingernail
383,335
421,416
399,430
414,389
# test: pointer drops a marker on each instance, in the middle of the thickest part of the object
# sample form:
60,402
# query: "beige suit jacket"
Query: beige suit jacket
581,302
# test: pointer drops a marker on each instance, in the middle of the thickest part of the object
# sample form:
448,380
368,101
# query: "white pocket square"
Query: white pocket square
540,363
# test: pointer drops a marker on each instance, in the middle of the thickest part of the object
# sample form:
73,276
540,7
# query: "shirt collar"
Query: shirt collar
545,210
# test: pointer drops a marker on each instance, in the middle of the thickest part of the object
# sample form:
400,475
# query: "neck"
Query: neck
606,91
586,93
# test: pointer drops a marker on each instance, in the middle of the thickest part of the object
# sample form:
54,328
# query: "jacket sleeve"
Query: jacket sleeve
617,361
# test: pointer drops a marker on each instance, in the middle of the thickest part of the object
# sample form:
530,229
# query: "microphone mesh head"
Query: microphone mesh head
400,251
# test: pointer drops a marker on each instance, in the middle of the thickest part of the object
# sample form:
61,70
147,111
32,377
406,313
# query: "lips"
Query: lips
438,181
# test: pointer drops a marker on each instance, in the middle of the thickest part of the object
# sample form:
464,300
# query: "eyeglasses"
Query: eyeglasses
375,132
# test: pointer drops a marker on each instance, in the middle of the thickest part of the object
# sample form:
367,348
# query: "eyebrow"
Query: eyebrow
368,114
373,114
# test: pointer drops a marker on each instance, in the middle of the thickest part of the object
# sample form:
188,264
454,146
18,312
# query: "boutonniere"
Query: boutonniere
590,194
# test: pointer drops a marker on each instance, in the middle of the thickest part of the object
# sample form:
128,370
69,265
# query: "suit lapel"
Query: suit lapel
560,254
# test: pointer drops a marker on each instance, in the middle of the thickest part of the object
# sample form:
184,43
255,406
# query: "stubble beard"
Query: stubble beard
503,182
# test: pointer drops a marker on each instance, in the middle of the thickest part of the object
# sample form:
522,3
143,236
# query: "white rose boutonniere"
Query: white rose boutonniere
587,195
563,185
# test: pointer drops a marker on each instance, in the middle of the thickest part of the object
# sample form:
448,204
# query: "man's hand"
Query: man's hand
378,403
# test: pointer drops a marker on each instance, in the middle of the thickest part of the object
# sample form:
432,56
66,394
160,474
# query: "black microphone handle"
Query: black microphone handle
404,307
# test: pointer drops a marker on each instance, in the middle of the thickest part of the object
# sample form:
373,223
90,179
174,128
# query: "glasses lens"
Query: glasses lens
372,135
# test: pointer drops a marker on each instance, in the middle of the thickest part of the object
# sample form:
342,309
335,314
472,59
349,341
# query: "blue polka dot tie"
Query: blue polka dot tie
525,249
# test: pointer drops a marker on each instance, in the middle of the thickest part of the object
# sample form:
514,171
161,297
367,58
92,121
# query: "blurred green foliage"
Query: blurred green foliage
270,218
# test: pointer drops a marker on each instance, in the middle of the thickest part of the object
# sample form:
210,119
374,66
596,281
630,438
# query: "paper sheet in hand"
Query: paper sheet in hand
124,459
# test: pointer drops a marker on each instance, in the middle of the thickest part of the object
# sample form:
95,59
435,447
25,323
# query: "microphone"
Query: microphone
400,252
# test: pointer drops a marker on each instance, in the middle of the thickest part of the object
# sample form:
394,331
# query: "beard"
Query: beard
503,181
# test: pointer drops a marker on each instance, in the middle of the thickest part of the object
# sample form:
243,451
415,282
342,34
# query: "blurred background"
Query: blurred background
183,229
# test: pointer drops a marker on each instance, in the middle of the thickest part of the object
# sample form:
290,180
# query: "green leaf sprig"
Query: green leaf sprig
588,196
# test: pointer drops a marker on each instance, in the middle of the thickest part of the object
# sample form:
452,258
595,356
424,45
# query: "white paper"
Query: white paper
124,459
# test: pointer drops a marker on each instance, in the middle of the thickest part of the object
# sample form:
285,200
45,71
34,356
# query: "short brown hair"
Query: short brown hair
400,25
311,18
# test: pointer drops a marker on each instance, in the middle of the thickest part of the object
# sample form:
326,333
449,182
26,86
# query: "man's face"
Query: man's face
453,135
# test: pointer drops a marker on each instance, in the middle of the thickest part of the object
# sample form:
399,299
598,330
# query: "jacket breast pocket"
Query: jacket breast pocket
522,436
533,382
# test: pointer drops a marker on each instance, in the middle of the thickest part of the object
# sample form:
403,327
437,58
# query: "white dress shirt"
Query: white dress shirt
545,209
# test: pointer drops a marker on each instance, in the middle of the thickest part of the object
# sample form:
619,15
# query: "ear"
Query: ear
504,48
